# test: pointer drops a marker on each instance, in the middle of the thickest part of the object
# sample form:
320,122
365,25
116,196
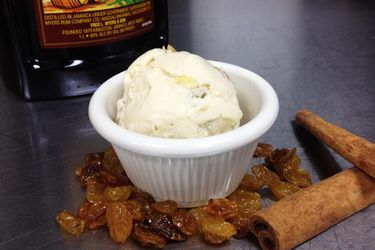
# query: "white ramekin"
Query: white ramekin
189,171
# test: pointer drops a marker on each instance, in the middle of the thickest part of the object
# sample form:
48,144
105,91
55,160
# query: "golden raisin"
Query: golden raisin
299,177
216,230
287,165
251,183
117,193
166,207
263,174
185,222
283,189
70,223
119,221
199,213
247,204
279,188
94,191
79,170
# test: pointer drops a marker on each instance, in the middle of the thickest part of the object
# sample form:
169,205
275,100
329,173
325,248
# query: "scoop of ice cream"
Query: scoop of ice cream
177,95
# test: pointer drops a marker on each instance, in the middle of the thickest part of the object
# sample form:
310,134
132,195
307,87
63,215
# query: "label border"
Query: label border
44,44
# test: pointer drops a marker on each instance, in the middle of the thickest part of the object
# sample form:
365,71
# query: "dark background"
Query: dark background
317,54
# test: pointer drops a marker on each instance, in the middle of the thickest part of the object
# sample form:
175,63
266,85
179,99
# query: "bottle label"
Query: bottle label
79,23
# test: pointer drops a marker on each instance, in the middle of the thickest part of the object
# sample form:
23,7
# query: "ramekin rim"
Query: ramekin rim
192,147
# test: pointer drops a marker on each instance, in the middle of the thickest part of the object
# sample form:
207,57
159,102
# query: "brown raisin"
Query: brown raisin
185,222
99,222
70,223
94,215
262,150
119,221
162,225
94,158
111,162
222,207
242,225
144,198
83,209
117,193
96,210
88,173
145,236
166,207
136,209
114,180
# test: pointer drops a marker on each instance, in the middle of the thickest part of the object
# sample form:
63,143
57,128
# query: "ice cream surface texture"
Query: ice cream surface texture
177,95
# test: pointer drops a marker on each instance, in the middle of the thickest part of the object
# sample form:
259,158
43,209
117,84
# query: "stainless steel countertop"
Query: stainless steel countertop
316,54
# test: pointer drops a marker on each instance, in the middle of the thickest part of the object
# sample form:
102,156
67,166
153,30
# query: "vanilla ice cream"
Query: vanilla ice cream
177,95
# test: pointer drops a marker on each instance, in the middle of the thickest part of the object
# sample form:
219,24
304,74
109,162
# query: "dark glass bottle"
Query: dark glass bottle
49,50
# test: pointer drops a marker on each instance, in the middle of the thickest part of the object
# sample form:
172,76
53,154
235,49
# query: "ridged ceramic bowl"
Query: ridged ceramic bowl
189,171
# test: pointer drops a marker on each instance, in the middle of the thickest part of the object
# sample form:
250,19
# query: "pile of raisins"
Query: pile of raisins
113,202
281,172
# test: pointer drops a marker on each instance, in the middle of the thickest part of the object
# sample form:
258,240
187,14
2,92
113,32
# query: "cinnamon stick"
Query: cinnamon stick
302,215
355,149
